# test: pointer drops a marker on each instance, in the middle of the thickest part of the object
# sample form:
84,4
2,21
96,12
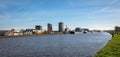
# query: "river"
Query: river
66,45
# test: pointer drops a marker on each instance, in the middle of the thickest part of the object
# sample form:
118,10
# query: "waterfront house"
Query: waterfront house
29,31
2,32
14,33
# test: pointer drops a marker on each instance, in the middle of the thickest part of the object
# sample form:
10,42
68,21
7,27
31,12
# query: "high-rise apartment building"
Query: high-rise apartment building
61,27
49,27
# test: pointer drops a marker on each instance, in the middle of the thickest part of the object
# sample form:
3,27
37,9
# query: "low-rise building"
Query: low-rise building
29,31
38,27
84,30
3,32
13,33
32,31
77,29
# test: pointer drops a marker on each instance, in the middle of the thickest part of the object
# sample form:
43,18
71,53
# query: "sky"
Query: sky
92,14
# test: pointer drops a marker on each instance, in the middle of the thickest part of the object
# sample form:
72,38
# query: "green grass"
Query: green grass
112,49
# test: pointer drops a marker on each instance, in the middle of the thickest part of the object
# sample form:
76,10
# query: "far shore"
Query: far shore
45,34
29,35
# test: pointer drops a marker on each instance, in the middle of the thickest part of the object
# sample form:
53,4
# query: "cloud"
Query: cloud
108,7
113,2
6,3
89,3
102,26
101,10
107,10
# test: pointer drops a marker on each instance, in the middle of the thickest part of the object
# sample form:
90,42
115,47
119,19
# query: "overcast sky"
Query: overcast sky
92,14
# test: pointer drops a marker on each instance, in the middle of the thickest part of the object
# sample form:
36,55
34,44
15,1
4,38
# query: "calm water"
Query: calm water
68,45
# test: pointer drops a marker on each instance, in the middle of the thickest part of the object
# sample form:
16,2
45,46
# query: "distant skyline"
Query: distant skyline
92,14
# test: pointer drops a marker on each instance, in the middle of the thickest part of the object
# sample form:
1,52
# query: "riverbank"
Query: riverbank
112,49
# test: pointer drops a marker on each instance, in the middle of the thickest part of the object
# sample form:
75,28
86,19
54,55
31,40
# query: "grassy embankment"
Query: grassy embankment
112,49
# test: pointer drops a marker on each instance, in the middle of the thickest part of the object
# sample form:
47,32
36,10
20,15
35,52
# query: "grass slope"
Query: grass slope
112,49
